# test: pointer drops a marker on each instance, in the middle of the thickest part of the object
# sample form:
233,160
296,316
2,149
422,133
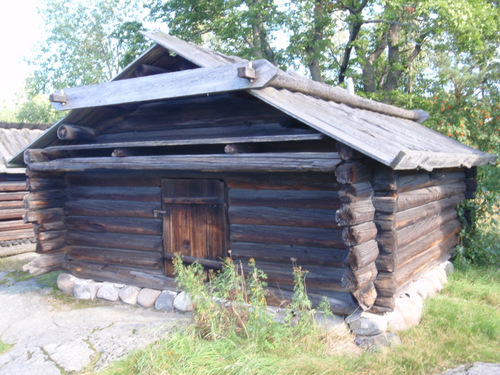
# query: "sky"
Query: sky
20,28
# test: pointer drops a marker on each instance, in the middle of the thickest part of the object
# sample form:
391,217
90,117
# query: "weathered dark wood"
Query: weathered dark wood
141,194
350,193
355,213
50,246
113,179
209,263
385,284
14,225
154,279
115,240
361,255
284,198
273,234
49,215
354,280
283,181
423,196
353,172
272,162
130,258
46,263
143,70
40,183
384,304
68,132
127,225
90,207
358,234
16,196
303,255
12,186
299,217
348,153
366,296
12,214
51,235
44,199
8,205
15,234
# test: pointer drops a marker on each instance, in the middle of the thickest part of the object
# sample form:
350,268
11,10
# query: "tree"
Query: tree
87,42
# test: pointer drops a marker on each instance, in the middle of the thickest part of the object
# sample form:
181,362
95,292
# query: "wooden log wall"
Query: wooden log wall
287,220
356,216
13,230
417,225
113,233
44,209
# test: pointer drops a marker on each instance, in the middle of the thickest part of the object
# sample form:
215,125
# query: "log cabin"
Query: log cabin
15,235
194,152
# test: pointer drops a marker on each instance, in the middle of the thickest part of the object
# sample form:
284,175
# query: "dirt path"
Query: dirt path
51,334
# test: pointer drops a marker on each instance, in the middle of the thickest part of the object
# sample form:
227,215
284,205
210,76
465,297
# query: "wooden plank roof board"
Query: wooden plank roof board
392,140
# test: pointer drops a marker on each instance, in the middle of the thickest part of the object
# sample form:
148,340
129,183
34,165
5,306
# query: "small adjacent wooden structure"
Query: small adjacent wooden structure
190,151
14,233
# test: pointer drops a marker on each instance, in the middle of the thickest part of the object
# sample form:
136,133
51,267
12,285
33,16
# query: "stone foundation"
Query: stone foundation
371,330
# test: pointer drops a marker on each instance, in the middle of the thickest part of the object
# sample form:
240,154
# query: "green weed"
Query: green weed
4,347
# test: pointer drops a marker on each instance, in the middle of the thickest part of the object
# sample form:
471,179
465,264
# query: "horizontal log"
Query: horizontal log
89,207
350,193
411,216
303,255
14,225
389,262
420,197
16,196
355,213
341,303
6,186
358,234
129,258
284,198
50,235
67,132
385,283
141,194
361,255
16,234
50,246
56,225
384,304
386,204
366,296
45,263
354,280
130,225
8,205
299,217
272,162
44,199
43,155
49,215
40,183
285,181
353,172
273,234
11,214
113,179
115,240
413,232
154,279
384,179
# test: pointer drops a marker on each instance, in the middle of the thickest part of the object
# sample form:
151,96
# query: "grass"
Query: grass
4,347
460,325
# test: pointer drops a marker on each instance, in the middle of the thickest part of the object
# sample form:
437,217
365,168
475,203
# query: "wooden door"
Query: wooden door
194,221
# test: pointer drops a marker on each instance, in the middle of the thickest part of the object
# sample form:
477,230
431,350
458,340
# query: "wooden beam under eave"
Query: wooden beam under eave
191,82
265,162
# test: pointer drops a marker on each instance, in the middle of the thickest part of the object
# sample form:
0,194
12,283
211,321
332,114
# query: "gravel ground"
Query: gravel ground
52,336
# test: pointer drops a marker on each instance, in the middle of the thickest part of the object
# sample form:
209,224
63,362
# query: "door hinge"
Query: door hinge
157,213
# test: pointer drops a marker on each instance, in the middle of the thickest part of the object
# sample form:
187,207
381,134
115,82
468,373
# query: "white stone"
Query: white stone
420,287
433,283
166,300
66,283
331,324
108,291
182,302
128,294
441,275
147,297
448,267
86,289
366,324
410,309
395,321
